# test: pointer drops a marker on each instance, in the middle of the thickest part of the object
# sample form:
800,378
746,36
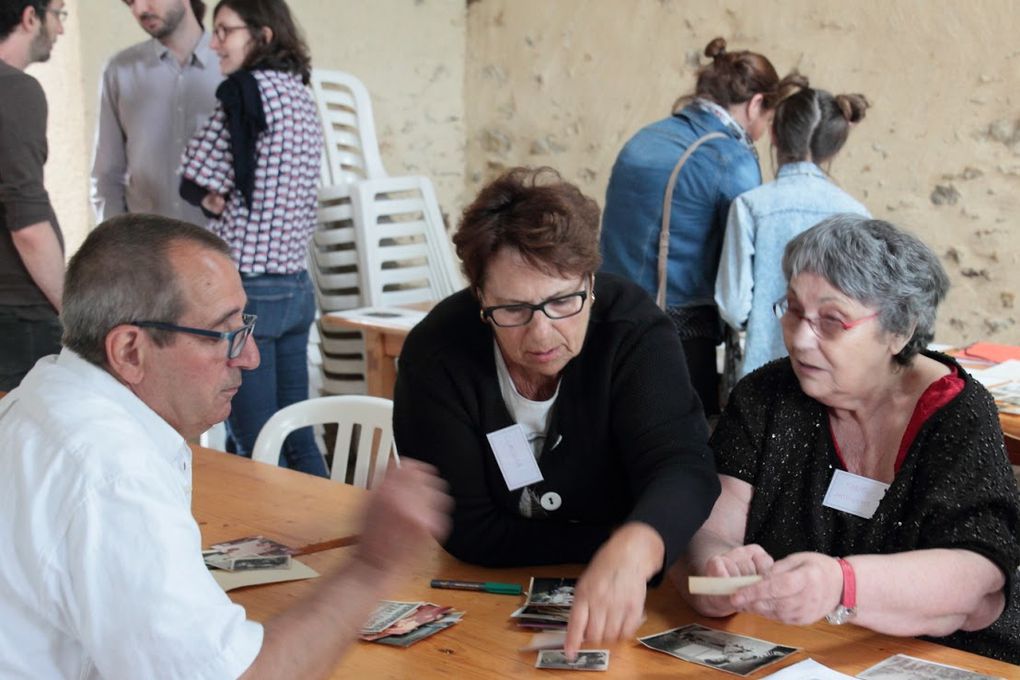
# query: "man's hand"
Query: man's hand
408,508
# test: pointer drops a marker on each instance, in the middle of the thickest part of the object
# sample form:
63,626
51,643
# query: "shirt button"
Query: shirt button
551,501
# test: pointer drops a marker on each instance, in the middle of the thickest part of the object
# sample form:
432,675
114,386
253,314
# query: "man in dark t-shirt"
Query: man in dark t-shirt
31,245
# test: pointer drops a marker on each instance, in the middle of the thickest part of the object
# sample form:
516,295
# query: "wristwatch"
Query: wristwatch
847,607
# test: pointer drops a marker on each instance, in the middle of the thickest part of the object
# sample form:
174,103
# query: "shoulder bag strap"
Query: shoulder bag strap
667,204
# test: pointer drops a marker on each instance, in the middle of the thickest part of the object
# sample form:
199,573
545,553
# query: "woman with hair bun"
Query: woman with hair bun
809,128
663,227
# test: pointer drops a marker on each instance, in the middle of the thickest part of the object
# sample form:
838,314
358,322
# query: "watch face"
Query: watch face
840,615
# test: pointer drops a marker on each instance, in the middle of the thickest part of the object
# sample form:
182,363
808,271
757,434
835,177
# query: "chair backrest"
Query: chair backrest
345,108
364,431
404,252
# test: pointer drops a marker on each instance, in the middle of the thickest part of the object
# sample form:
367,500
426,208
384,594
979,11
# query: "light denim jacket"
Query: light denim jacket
761,222
711,178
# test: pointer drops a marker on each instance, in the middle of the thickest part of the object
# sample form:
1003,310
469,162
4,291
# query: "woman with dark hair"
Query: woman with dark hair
556,404
808,129
864,476
669,193
254,169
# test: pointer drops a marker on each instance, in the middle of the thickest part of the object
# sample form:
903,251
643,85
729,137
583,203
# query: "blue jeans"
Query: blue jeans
285,305
24,339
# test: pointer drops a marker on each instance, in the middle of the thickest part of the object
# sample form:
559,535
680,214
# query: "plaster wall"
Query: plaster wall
409,53
566,83
464,89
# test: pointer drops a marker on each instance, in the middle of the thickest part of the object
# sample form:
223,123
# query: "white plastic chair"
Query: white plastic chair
345,108
404,253
359,419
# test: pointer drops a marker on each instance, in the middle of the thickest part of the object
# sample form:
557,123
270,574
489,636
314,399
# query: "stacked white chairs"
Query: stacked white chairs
364,435
380,239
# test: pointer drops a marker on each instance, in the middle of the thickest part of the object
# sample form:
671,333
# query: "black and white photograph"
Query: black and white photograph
551,592
737,654
903,667
587,660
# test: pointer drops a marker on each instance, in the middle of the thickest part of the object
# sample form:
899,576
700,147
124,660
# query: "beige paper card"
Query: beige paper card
719,585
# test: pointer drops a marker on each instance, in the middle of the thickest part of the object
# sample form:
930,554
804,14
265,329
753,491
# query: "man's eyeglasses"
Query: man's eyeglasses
222,32
235,339
825,327
520,314
61,14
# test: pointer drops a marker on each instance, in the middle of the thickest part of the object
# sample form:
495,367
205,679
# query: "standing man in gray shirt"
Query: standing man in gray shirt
31,246
153,97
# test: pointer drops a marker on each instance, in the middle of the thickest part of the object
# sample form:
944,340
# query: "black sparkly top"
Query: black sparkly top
955,488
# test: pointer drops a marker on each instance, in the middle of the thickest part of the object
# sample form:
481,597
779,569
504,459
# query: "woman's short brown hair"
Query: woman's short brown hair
534,211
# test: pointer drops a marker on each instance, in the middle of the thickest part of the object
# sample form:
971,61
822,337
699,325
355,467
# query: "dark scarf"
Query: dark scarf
242,105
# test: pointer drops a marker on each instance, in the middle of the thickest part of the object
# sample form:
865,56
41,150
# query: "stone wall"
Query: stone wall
566,83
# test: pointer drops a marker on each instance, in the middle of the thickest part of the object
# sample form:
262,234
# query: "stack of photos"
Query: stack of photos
401,624
246,554
737,654
548,604
1007,397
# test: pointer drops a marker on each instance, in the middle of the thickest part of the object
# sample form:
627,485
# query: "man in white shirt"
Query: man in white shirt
153,96
102,576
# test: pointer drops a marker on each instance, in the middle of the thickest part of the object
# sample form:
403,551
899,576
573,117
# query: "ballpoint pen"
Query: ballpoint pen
481,586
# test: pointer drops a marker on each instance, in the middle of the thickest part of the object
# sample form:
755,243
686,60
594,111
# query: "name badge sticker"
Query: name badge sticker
514,456
854,494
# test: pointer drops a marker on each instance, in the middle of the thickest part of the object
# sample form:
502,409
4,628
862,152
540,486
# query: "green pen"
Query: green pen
481,586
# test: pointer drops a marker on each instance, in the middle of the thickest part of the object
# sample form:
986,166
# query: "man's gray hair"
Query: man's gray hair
123,273
880,266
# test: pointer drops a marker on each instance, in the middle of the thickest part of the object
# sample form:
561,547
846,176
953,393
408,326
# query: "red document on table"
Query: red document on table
992,352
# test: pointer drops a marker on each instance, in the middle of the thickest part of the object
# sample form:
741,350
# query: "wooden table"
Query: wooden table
383,343
235,497
485,643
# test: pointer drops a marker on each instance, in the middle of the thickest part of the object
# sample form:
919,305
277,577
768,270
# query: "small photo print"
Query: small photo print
737,654
587,660
903,667
551,592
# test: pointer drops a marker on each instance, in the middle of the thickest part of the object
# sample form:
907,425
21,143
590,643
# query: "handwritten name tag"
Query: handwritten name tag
514,456
854,494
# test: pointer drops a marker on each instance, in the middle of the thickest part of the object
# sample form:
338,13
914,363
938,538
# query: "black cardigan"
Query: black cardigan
627,439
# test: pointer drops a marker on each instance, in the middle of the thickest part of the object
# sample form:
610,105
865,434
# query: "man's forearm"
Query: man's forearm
40,251
308,640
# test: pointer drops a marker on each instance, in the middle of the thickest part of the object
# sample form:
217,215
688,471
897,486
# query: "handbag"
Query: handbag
667,205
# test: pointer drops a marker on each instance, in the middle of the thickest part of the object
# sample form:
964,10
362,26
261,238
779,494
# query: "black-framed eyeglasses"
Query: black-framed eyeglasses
222,32
521,313
235,338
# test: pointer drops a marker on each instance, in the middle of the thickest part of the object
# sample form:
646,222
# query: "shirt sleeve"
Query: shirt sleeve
23,141
971,495
734,284
139,597
659,425
109,158
208,160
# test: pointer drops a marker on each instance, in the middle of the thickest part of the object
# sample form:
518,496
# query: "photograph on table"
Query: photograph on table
903,667
737,654
587,660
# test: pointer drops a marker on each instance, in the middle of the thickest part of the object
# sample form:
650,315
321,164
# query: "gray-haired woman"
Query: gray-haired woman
864,477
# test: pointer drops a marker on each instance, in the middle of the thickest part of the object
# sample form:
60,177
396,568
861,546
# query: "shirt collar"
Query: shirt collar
202,56
801,168
167,440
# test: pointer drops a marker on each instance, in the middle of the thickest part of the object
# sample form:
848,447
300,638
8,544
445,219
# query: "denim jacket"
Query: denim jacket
761,222
711,178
